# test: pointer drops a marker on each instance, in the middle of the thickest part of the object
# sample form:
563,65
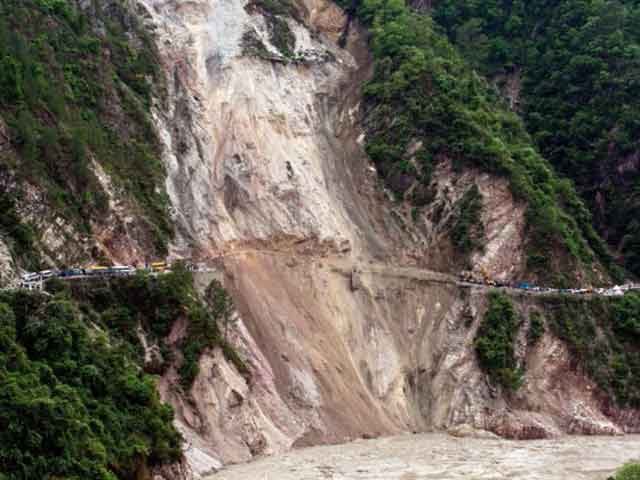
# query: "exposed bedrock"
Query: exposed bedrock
267,173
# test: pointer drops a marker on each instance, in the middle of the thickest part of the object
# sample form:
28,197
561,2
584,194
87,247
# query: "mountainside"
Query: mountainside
571,68
335,166
81,168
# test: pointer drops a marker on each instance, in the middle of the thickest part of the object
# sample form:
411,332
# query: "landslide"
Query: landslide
266,135
340,350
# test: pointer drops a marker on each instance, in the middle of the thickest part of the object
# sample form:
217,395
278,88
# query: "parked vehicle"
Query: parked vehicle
96,270
122,270
44,274
159,266
71,272
31,277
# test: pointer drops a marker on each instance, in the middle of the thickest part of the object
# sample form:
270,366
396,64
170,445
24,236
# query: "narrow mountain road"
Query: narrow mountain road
345,266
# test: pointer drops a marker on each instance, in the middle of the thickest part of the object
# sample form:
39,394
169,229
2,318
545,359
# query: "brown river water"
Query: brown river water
436,456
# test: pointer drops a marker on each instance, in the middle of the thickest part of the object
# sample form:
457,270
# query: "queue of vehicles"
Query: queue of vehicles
482,278
30,278
33,280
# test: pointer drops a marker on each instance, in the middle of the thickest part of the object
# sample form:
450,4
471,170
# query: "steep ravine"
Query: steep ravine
266,173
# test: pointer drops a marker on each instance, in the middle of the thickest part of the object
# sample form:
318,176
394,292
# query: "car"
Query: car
30,276
121,270
44,274
71,272
97,270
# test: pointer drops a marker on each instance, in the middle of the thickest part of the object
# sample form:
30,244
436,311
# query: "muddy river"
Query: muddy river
442,457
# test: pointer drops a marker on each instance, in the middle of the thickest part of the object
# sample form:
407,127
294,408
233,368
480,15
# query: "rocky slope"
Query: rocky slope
80,173
262,138
267,175
267,153
338,353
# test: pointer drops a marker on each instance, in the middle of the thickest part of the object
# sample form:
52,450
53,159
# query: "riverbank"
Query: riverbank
443,457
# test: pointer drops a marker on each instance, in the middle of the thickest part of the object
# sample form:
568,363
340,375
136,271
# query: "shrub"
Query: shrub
281,36
495,342
630,471
536,328
467,232
73,404
626,316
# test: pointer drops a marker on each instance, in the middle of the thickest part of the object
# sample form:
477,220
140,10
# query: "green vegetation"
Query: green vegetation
536,328
626,317
74,403
630,471
467,232
74,399
283,8
252,45
580,66
495,342
155,304
21,236
603,335
275,14
70,96
281,36
204,332
423,90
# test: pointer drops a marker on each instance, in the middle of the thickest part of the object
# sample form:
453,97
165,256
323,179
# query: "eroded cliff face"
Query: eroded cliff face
343,335
264,153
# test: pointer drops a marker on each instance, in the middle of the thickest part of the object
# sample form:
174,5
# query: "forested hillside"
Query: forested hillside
78,382
74,403
75,91
424,92
575,68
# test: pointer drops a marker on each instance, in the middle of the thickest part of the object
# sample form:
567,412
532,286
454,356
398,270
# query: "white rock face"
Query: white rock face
251,144
8,274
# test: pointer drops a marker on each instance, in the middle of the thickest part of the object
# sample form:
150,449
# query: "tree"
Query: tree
495,342
221,305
